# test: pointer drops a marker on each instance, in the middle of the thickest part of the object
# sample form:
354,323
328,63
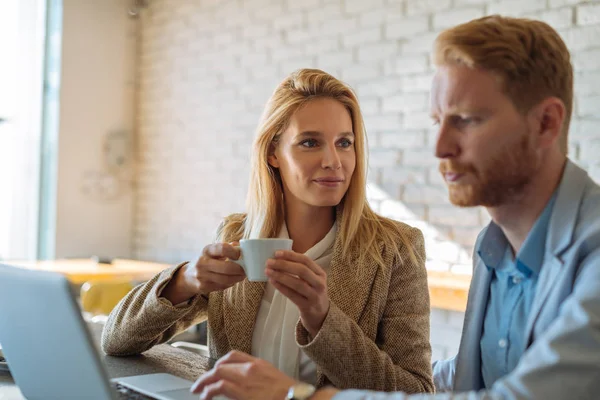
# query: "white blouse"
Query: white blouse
274,337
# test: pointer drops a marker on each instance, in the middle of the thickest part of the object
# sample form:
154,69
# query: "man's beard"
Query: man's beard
502,179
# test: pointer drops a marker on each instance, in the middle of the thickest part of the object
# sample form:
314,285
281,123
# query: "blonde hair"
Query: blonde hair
359,227
529,57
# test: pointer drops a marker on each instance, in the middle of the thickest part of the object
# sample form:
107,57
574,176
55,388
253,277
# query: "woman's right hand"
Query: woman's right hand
213,271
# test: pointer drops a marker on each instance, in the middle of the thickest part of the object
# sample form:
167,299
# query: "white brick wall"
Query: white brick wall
207,69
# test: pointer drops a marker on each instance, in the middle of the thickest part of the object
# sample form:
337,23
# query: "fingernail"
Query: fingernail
278,253
270,262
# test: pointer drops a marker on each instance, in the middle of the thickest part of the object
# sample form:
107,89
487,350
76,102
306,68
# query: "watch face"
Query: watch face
301,391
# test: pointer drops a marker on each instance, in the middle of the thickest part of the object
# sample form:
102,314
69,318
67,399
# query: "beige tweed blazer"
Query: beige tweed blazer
375,336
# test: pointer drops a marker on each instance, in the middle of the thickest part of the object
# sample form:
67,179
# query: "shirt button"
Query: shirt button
516,280
502,343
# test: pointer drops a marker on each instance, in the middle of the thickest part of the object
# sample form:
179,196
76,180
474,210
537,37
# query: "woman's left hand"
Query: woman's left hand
304,282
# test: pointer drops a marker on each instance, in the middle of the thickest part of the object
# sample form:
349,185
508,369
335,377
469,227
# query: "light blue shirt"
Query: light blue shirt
512,290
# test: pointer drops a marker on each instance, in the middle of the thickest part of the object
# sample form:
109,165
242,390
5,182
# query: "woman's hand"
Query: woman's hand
240,376
304,282
211,272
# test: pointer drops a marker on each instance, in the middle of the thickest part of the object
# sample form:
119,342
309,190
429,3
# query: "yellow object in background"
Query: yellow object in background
100,297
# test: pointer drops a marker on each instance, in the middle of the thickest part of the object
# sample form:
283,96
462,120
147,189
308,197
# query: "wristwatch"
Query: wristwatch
301,391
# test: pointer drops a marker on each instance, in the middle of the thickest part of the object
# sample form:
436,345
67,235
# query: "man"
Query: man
502,99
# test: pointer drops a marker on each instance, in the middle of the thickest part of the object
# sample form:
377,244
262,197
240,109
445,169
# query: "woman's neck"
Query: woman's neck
308,225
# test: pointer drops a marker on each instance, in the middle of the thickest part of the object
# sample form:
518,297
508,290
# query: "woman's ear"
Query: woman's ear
272,158
273,161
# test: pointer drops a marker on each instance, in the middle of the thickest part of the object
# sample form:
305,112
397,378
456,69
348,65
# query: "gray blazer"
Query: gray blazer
562,358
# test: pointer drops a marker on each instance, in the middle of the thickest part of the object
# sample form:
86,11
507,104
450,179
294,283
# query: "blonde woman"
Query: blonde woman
348,306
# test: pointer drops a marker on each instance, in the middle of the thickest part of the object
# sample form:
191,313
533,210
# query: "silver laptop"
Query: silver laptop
49,350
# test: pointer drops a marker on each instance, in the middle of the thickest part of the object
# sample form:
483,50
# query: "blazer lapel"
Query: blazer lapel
559,237
468,365
240,308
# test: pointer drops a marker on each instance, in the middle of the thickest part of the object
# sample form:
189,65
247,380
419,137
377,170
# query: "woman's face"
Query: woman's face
315,155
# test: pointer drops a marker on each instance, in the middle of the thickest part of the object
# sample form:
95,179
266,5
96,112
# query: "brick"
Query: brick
426,6
295,6
417,83
383,158
382,122
418,158
285,53
377,51
299,36
322,45
403,175
461,3
417,120
591,151
561,3
587,60
373,17
402,139
406,28
588,14
587,83
419,44
516,7
358,73
411,64
371,35
339,26
380,87
558,19
360,6
588,106
581,37
454,216
293,64
289,21
335,59
405,102
447,19
326,13
269,12
370,106
399,211
584,129
421,194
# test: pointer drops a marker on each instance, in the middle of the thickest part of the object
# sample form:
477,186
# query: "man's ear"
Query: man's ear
549,117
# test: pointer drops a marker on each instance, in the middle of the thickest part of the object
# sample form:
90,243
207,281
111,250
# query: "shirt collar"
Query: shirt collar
320,249
494,244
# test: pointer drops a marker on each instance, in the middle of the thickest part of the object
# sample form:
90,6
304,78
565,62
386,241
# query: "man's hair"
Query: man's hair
528,56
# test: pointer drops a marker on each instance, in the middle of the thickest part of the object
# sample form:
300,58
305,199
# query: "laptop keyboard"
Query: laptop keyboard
125,393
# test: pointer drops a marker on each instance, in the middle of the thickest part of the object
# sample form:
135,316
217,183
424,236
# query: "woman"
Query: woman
348,306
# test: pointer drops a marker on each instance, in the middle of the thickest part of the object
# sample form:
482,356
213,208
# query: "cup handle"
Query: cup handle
239,261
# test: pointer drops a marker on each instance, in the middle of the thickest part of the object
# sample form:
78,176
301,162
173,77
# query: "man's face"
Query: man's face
486,153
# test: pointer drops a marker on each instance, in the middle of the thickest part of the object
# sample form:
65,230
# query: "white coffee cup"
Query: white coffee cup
254,254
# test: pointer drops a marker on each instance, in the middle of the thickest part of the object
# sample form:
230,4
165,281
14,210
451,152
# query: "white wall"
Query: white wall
94,204
208,67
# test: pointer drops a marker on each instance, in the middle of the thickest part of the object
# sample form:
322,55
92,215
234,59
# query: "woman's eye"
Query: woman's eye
308,143
345,143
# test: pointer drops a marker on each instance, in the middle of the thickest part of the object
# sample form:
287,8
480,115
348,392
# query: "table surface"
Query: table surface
80,270
161,358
